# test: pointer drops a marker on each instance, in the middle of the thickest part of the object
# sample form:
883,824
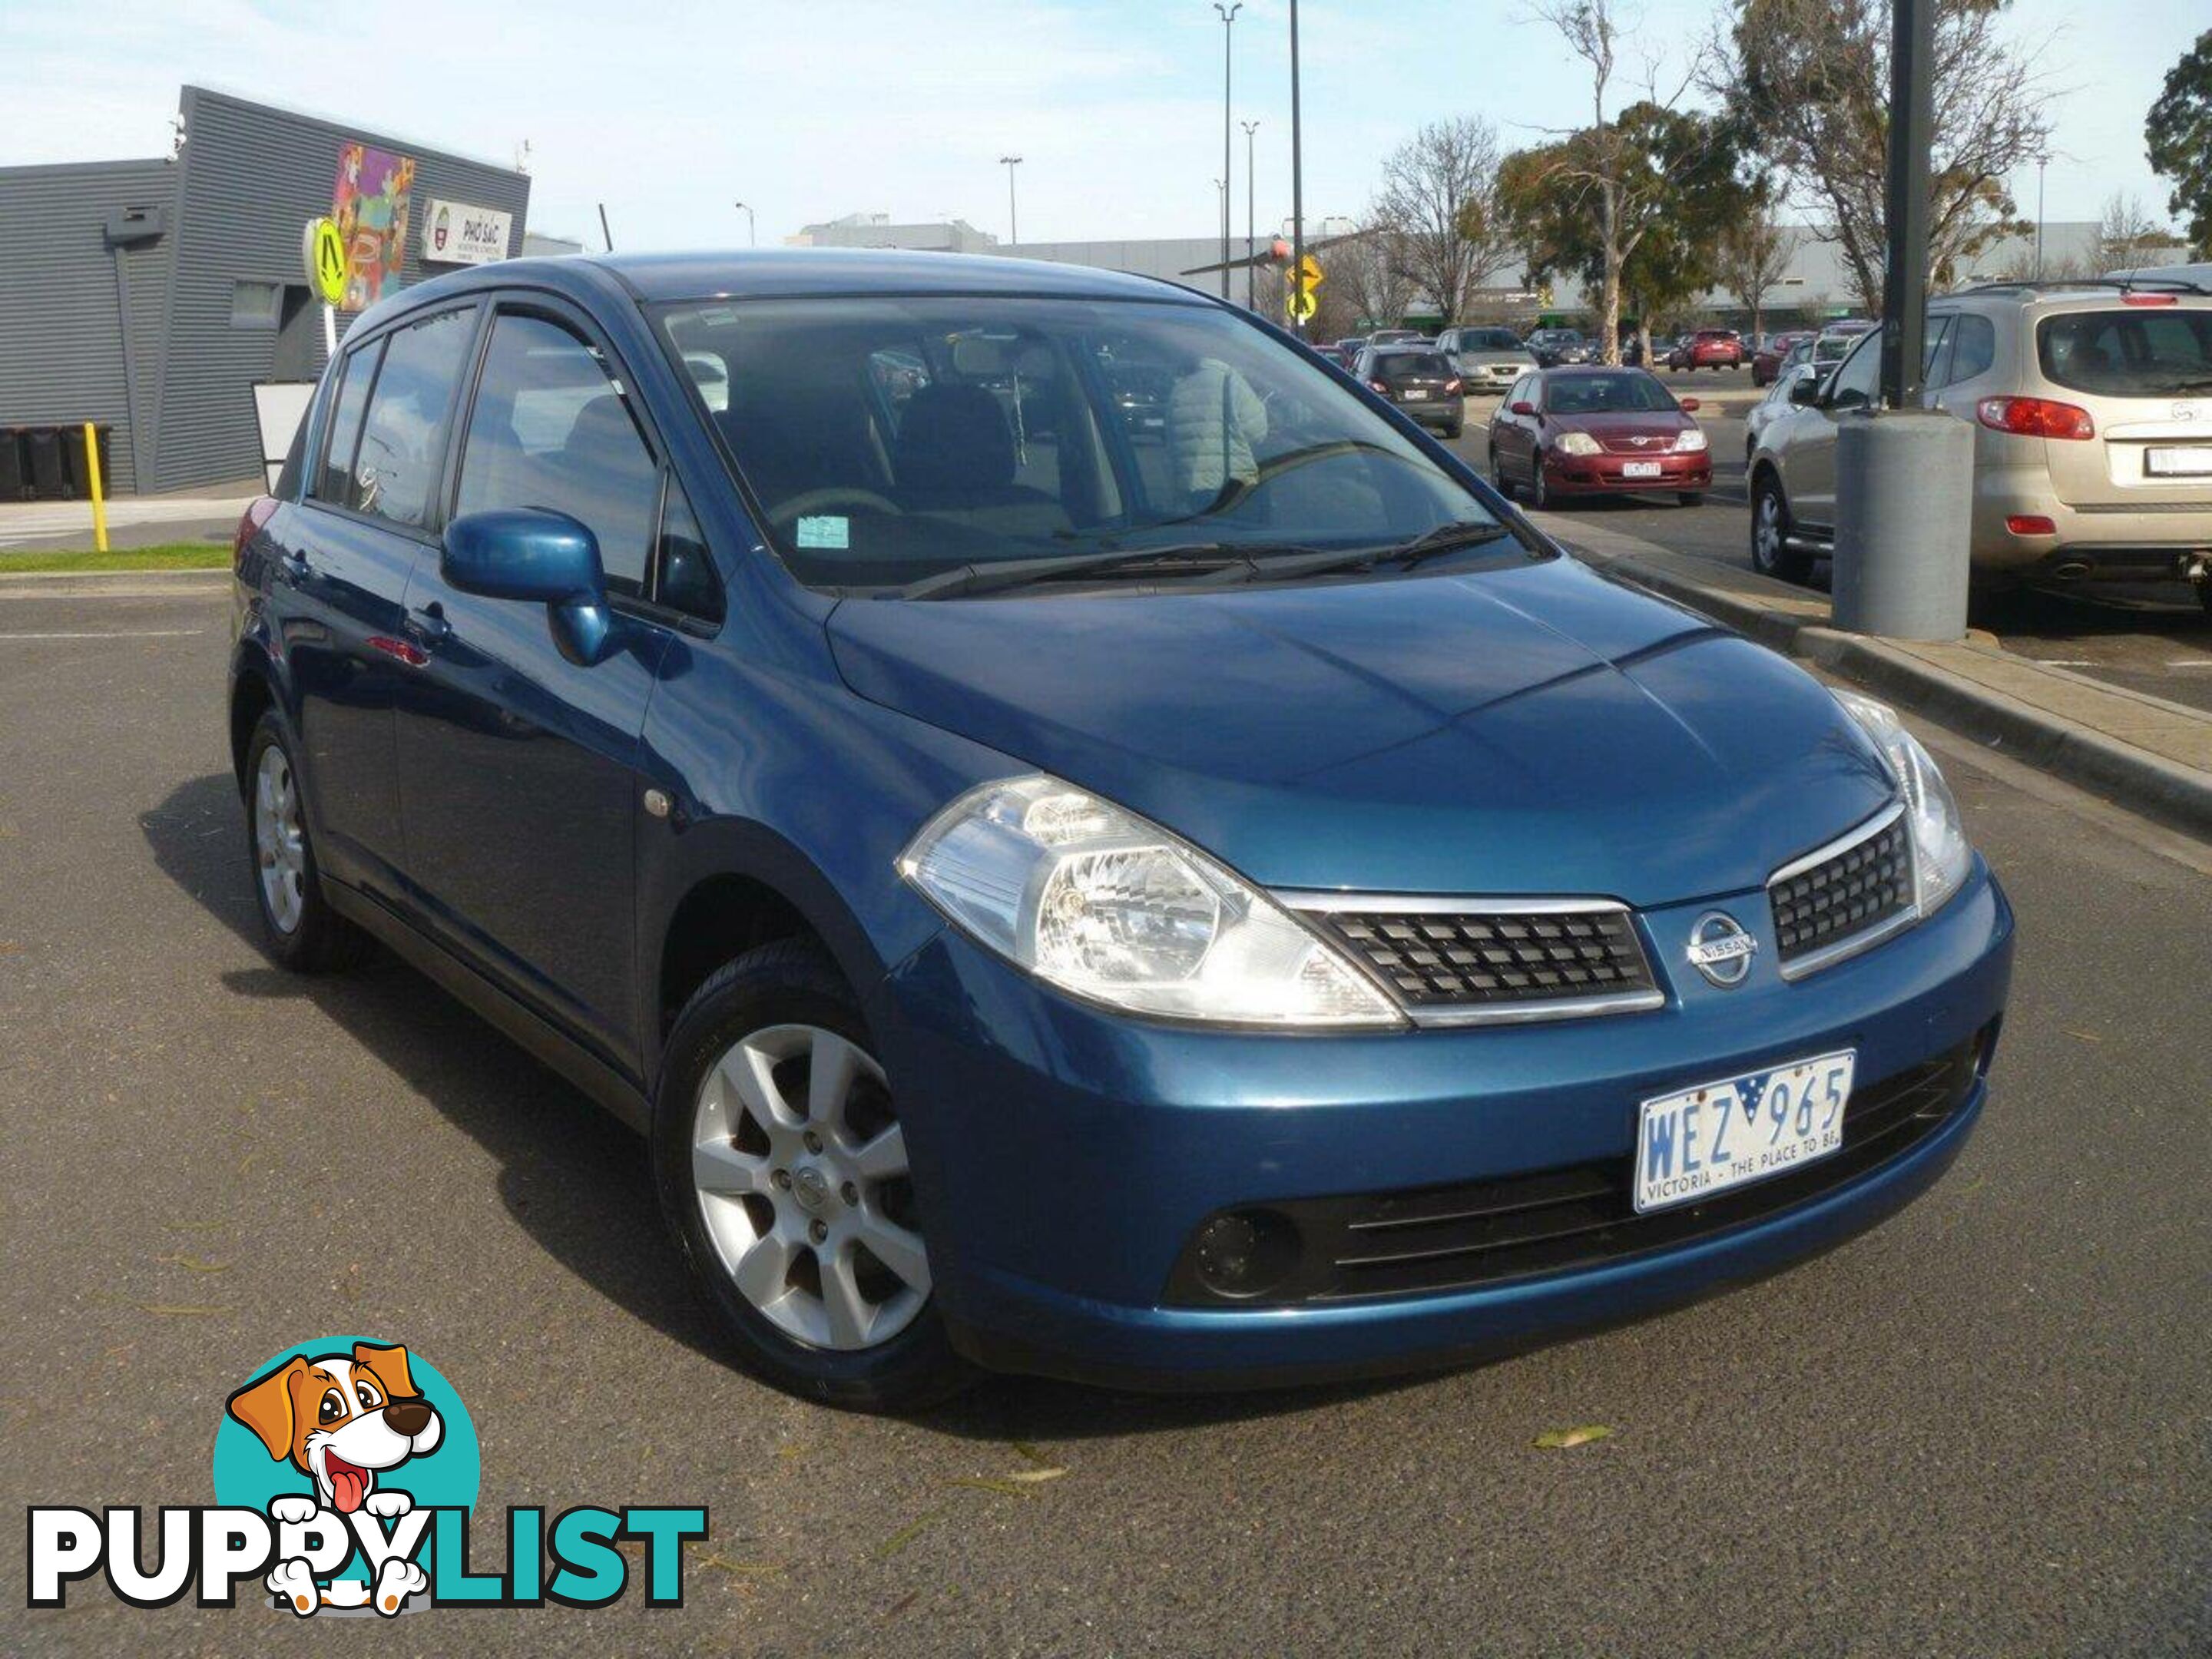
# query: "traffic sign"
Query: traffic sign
1301,305
1311,269
322,250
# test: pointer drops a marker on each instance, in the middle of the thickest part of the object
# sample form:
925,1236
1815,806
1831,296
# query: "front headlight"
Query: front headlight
1578,443
1106,905
1692,441
1941,853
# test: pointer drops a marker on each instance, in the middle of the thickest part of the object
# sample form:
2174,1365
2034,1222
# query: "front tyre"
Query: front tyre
782,1167
1771,552
299,928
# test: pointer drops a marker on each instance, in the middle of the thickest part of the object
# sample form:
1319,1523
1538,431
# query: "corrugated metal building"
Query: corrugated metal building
154,295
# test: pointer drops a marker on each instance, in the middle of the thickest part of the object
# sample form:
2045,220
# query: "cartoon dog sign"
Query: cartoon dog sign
346,1421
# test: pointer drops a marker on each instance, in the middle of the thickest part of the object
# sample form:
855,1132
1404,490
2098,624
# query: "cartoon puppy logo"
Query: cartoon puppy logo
343,1420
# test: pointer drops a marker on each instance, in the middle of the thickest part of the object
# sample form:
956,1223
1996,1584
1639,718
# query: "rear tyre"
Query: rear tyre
1498,481
2204,595
1539,493
1456,428
782,1172
299,929
1771,552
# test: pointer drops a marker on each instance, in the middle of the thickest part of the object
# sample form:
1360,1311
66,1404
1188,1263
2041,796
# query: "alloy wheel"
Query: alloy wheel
800,1170
1766,532
280,845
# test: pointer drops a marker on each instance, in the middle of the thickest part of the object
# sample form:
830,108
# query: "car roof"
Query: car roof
1566,371
2078,291
789,273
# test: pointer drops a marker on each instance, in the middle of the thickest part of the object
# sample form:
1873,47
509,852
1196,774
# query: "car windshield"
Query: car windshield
2131,352
1605,394
1412,365
1489,339
888,440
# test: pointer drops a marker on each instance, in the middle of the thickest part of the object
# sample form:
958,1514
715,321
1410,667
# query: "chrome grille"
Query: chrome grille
1843,895
1495,959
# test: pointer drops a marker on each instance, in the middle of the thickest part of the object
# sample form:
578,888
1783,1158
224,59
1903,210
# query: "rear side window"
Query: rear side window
2132,352
552,428
334,479
1412,366
403,437
1970,349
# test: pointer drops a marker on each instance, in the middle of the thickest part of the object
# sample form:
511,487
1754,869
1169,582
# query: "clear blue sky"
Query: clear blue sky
670,112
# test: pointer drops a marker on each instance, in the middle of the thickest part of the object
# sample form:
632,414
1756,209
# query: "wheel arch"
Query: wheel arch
252,694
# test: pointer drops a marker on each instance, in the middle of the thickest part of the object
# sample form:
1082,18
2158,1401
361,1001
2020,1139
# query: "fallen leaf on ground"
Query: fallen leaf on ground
740,1569
1028,1454
1006,1487
2082,1036
1561,1439
176,1310
906,1535
903,1604
194,1264
1032,1476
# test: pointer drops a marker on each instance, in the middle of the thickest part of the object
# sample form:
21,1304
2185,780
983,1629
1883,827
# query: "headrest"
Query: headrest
954,437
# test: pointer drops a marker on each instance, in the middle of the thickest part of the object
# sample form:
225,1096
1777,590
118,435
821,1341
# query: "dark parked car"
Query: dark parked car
1424,383
1227,905
1766,362
1590,431
1553,346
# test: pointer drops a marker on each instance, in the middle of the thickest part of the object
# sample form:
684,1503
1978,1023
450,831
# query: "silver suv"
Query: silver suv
2092,405
1488,359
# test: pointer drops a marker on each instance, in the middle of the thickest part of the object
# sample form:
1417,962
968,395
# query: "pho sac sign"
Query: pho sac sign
455,234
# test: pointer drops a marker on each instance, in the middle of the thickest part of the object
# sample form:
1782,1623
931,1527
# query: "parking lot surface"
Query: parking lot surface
1979,1429
2155,638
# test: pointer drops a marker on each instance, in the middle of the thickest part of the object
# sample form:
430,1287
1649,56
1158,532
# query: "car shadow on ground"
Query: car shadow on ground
573,1178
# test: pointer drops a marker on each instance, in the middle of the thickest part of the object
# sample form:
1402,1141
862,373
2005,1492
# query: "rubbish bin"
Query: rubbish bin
72,443
42,458
15,482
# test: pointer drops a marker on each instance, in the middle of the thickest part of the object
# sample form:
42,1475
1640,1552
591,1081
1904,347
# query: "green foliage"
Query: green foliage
2178,134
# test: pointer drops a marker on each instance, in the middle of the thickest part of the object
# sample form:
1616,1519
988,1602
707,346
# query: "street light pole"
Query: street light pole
752,239
1228,22
1013,221
1251,246
1297,191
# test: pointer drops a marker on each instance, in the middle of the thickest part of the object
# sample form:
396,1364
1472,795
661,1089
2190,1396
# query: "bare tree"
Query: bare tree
1811,78
2127,236
1439,203
1370,271
1626,182
1753,255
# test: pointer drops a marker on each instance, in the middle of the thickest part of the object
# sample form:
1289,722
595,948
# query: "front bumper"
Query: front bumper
1063,1155
1570,475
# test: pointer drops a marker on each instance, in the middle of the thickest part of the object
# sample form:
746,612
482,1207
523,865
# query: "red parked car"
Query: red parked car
1709,347
1597,431
1767,362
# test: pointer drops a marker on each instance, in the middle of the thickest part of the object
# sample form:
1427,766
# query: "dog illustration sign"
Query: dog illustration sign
346,1469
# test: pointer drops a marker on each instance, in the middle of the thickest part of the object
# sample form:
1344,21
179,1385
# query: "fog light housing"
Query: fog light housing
1242,1253
2030,523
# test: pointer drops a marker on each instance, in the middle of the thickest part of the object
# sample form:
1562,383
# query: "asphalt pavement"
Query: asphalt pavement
2152,637
1978,1429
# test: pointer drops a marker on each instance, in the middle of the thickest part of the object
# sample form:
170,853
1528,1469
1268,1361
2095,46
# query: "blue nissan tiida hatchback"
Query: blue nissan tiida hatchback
1086,843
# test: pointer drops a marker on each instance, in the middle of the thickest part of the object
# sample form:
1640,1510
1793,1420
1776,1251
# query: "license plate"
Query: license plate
1697,1142
1640,470
1413,394
2192,461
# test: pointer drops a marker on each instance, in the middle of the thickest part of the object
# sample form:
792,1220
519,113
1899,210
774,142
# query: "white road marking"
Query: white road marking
115,634
2063,662
2189,662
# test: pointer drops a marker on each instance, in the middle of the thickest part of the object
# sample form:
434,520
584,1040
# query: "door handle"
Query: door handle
294,565
428,626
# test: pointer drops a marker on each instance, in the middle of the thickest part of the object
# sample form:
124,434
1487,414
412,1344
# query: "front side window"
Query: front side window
551,428
889,439
403,438
2127,351
1855,381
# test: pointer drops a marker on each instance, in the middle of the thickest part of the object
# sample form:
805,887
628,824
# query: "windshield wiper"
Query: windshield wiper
1183,559
1452,537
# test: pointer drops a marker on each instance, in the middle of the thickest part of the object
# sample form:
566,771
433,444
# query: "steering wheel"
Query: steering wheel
834,496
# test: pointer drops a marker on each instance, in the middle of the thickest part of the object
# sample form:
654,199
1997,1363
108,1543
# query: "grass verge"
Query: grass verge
164,555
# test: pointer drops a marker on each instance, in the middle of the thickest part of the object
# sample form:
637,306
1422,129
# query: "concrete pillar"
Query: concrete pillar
1905,497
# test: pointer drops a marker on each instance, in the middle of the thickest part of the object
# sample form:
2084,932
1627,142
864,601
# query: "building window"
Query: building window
256,305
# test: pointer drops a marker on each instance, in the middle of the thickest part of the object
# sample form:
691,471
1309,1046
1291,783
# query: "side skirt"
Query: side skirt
515,1019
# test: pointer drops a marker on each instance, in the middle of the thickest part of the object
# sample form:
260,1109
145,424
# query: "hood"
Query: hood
1622,424
1536,730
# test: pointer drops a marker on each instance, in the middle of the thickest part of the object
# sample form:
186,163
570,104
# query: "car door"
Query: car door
1810,462
1509,432
518,789
347,552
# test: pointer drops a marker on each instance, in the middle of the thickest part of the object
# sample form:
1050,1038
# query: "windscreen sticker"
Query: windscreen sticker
829,531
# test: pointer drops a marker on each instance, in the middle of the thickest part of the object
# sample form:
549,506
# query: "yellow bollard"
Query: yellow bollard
92,477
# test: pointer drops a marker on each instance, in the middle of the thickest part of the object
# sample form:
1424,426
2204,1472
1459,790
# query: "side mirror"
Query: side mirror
1522,406
1806,391
530,554
1689,405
